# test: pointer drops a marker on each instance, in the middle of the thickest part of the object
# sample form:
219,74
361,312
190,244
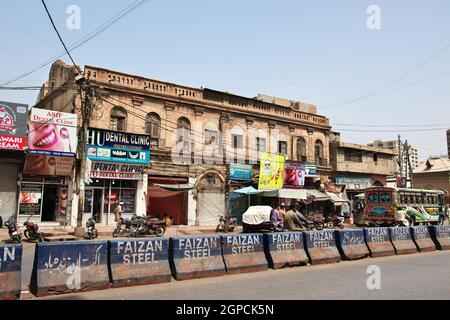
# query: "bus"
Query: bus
421,206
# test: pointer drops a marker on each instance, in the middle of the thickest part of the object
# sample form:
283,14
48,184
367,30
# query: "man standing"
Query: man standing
118,212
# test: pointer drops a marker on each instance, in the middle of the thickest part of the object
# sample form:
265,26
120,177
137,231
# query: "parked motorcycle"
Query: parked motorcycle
13,231
334,222
92,232
226,224
142,226
31,230
123,226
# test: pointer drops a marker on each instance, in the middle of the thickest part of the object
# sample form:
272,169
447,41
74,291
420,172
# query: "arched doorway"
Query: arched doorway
210,198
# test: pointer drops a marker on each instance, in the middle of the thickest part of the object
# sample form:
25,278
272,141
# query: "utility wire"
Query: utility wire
59,36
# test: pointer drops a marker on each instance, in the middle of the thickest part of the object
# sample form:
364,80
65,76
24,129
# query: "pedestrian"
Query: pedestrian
118,212
275,217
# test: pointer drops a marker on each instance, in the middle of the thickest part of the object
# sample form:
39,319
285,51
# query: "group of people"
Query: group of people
289,219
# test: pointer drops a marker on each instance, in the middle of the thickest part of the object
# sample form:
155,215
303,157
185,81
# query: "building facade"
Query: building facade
434,174
448,143
194,135
359,166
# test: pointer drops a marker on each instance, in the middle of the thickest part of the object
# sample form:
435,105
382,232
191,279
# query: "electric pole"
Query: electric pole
400,160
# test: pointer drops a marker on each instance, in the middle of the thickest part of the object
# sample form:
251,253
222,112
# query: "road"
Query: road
414,276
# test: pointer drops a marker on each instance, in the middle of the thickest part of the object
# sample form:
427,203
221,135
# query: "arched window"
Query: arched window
318,152
153,128
301,149
184,132
118,119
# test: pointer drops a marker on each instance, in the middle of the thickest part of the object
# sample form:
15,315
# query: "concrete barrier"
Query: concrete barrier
69,266
244,253
10,271
139,261
441,236
321,247
402,241
285,249
422,239
378,241
196,257
352,244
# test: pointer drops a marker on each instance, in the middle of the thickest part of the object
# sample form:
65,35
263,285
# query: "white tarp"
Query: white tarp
256,215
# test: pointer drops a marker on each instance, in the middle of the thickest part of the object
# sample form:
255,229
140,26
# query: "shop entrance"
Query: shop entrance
93,203
49,202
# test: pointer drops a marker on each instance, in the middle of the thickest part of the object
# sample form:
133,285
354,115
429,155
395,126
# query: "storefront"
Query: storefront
115,164
13,119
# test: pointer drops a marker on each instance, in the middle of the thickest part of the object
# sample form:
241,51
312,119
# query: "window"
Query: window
237,140
261,144
282,147
211,137
375,157
118,118
184,132
385,197
152,127
373,197
318,151
301,149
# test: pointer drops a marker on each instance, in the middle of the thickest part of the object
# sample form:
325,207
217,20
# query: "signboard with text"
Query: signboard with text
355,183
43,165
108,170
52,133
13,125
240,171
114,146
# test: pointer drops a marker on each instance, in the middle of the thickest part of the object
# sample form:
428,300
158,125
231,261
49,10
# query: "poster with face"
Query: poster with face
62,202
30,199
294,174
43,165
52,133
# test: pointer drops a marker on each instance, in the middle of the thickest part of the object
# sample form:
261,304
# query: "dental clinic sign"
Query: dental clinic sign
120,147
52,133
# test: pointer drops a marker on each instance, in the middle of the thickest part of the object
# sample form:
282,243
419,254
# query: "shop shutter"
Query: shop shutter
210,205
8,190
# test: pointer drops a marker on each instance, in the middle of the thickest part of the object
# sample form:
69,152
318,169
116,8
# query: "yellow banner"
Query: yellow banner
271,171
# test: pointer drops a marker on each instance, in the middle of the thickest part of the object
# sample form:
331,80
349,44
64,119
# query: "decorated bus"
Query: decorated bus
420,206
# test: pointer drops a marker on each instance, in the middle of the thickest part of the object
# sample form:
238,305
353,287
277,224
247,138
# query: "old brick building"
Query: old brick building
195,134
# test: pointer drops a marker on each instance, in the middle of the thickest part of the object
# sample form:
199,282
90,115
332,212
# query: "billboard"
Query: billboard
294,174
240,171
271,171
355,183
52,133
114,146
43,165
13,125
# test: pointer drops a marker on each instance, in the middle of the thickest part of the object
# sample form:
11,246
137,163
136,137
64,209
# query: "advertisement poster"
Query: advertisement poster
52,133
271,171
114,146
108,170
61,204
311,169
13,125
294,174
30,199
355,183
48,165
240,171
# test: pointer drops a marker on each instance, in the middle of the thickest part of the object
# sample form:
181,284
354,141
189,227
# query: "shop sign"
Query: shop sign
294,174
271,171
311,169
13,125
108,170
48,165
355,183
52,133
240,171
114,146
30,199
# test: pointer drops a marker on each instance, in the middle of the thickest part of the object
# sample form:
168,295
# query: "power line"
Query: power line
83,40
59,36
412,130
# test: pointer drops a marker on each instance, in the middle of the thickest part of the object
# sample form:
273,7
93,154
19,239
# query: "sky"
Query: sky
320,52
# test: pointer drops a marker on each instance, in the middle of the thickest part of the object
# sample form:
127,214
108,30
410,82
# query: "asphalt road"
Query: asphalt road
413,276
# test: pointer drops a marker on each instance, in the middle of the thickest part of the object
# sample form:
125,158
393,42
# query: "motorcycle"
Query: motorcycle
226,224
123,226
92,232
333,222
13,231
31,230
142,226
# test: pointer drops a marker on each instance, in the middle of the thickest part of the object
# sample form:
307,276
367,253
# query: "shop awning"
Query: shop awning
248,191
318,195
176,187
336,197
300,194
